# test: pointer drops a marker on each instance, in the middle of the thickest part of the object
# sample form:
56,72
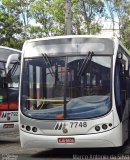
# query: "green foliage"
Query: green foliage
86,16
125,26
125,32
9,29
25,19
121,10
21,9
51,16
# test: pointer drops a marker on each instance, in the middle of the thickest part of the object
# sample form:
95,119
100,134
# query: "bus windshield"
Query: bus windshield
56,87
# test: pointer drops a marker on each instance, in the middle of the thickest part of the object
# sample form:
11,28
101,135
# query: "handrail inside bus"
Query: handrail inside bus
46,100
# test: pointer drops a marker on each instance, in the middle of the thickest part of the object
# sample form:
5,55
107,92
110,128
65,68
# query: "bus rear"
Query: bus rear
66,96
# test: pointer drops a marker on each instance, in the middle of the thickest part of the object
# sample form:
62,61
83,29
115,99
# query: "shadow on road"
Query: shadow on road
71,153
89,152
12,145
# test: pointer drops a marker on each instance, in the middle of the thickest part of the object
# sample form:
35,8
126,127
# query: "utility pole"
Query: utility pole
68,17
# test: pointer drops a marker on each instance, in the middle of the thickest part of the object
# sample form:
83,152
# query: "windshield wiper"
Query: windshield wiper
85,62
12,70
48,63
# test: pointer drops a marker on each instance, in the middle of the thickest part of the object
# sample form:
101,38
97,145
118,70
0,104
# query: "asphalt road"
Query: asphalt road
10,149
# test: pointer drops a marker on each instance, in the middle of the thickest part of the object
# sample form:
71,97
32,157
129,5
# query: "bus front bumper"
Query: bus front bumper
9,129
111,138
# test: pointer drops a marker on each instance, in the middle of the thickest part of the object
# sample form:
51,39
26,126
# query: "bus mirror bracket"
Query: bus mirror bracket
12,58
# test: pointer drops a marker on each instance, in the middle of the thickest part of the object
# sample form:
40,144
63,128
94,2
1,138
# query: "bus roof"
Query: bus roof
70,36
6,51
66,45
37,41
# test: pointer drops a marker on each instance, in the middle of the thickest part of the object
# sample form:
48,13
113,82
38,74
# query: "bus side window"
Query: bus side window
123,82
128,81
3,83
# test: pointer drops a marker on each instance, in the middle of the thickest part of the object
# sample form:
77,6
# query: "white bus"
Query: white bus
9,86
74,92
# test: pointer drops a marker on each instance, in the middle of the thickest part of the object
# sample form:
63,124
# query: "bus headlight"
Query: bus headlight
104,126
28,128
101,127
97,128
34,129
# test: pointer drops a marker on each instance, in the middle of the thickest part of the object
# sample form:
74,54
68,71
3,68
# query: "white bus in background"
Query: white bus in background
9,86
74,92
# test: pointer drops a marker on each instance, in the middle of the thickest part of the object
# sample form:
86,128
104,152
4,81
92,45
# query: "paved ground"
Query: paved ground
10,149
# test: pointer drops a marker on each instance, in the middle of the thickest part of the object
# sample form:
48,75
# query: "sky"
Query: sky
107,29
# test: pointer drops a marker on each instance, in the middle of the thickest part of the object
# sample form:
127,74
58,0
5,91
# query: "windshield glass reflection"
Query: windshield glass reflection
86,95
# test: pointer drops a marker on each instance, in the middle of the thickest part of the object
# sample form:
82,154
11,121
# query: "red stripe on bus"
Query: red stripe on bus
4,105
12,105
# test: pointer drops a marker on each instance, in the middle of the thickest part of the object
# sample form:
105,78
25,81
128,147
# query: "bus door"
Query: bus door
123,84
121,94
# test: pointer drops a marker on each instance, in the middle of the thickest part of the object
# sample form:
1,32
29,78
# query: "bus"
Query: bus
9,86
74,92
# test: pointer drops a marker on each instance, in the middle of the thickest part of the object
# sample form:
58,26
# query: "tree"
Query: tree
39,11
49,15
88,17
25,19
121,12
10,28
85,15
68,17
124,20
21,8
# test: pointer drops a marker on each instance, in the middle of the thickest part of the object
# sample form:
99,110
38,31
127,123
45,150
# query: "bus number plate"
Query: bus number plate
66,140
8,126
78,124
